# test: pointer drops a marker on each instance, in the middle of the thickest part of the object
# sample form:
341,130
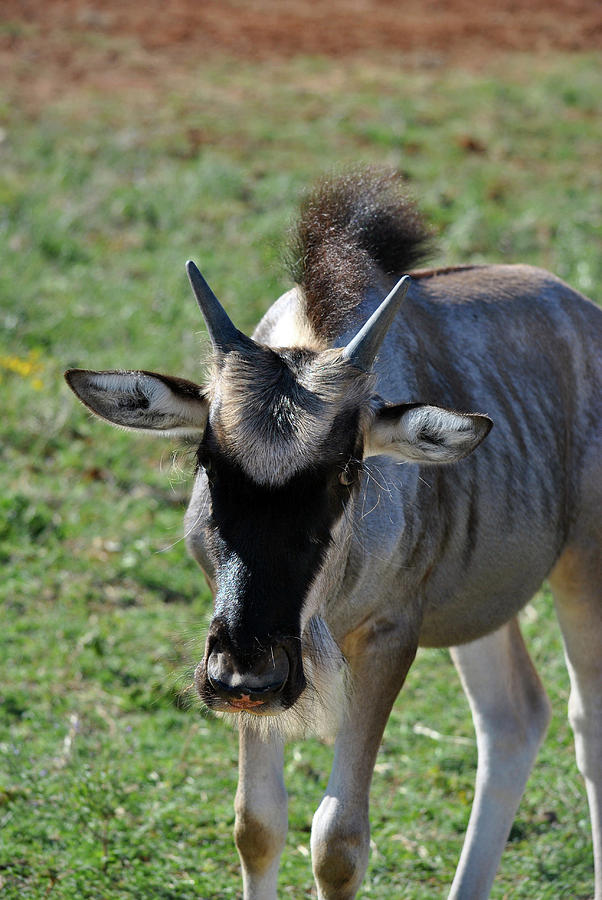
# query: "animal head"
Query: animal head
282,434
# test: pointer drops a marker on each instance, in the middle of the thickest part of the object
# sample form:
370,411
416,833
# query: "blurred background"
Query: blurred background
135,136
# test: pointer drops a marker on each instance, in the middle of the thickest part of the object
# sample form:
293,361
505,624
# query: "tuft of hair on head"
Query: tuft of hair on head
353,229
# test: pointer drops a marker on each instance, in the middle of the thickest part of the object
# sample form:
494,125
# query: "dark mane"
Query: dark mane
353,229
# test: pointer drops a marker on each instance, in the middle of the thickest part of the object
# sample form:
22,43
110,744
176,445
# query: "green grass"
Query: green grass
112,783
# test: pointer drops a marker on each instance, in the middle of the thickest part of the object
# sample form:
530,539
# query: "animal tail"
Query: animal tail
352,230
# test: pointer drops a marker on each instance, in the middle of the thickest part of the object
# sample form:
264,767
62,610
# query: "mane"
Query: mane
353,230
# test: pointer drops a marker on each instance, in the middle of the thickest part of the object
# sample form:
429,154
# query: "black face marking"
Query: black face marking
267,543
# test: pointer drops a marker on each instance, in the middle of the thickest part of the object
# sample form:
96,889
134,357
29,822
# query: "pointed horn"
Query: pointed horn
224,334
362,349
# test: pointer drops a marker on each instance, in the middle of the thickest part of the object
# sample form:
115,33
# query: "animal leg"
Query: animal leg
261,814
577,585
340,837
511,712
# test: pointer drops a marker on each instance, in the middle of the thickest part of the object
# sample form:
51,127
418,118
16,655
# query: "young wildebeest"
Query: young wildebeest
330,563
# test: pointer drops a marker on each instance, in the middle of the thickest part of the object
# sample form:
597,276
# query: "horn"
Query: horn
362,349
224,334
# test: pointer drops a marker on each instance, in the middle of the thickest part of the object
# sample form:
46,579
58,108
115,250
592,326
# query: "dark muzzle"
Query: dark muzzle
233,677
253,686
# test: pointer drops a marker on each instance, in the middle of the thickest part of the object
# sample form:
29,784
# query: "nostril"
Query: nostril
221,672
269,673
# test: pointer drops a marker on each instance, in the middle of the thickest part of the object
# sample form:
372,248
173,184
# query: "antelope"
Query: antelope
352,502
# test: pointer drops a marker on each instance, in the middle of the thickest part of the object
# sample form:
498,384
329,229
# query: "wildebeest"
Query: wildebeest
330,562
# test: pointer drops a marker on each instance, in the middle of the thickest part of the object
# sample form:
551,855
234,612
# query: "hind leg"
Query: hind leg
510,711
577,586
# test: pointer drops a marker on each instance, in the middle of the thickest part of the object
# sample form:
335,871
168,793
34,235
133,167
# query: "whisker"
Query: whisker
186,533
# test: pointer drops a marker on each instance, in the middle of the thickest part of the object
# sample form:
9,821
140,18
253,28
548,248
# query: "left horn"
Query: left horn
362,349
224,334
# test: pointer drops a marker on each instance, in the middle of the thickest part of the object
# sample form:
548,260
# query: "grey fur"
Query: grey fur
443,556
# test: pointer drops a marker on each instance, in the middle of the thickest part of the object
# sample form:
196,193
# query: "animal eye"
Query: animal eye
347,476
205,461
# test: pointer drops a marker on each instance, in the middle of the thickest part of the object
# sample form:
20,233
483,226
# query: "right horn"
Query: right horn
362,349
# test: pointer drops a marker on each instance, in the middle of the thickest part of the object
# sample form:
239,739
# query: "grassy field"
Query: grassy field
112,783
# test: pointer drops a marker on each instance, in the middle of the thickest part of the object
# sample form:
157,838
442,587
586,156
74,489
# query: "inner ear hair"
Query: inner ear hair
142,400
424,433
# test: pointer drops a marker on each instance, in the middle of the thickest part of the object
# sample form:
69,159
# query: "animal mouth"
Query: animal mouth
244,702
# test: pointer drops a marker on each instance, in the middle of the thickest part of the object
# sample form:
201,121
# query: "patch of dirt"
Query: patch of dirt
46,44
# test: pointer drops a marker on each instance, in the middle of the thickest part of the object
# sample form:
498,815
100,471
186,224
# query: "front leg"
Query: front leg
379,657
261,813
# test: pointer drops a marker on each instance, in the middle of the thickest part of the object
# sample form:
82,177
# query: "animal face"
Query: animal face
281,454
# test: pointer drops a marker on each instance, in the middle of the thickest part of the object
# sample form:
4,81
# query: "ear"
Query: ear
425,434
142,401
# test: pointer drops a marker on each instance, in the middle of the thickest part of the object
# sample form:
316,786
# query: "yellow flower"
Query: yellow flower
26,367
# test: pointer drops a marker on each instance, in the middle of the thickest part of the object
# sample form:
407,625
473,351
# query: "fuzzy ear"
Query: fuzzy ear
142,401
425,434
